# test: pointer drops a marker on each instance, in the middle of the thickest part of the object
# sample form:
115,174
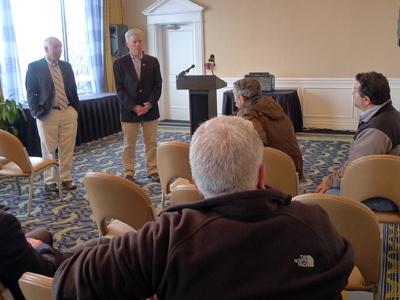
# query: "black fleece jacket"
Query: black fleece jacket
247,245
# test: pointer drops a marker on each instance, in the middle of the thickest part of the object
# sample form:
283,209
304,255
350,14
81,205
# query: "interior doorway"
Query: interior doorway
179,55
175,37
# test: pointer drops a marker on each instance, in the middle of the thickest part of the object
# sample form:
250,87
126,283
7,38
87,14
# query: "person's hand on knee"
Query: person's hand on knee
322,188
34,243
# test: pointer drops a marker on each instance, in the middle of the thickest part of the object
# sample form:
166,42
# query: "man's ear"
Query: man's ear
367,101
261,175
242,99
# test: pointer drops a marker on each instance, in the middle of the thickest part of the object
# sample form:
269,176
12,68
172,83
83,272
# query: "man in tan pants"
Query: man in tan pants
138,83
53,101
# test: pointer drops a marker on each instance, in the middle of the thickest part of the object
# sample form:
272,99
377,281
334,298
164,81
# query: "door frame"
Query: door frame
166,12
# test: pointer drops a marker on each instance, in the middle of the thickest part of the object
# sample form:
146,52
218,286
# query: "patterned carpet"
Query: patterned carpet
71,222
390,266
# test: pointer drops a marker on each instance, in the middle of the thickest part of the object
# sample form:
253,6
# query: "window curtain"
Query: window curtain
112,15
94,27
10,74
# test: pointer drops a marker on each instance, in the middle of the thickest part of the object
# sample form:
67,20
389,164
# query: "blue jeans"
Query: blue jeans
333,191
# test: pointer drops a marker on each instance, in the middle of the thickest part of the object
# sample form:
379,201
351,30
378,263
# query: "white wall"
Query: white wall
325,102
313,46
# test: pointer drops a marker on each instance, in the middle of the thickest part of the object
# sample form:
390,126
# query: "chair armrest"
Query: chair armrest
341,186
35,286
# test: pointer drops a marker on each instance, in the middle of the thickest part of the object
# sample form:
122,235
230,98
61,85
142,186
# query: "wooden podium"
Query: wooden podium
202,96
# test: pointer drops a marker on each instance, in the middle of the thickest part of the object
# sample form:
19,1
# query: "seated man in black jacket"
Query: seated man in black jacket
243,241
20,253
31,252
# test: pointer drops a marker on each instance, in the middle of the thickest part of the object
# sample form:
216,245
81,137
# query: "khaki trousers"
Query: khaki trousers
58,130
131,130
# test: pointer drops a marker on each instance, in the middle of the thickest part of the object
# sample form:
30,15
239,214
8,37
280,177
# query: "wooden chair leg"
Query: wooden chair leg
18,185
31,179
162,200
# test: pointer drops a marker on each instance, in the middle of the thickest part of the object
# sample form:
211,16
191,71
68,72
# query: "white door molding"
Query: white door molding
174,12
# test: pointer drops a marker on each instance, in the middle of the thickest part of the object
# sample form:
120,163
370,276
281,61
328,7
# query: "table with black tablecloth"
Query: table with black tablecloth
98,117
288,99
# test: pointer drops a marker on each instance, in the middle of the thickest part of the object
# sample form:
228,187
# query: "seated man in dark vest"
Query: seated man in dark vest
378,131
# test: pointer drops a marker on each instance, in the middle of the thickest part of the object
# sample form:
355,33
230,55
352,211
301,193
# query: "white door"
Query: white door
180,54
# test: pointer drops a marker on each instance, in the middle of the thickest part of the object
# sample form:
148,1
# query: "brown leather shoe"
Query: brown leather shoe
50,188
68,185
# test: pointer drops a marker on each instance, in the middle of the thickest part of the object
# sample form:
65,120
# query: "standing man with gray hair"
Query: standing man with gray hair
242,242
53,102
138,83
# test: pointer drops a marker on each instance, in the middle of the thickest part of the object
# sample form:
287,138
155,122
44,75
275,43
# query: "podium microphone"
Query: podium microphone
186,71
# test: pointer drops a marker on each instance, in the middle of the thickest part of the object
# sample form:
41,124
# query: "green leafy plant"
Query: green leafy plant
10,112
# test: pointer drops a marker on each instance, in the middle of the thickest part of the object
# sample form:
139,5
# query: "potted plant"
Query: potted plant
10,112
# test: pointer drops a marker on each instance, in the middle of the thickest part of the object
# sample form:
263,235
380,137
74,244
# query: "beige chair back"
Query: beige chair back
112,196
186,193
12,149
280,171
35,286
357,223
374,176
172,161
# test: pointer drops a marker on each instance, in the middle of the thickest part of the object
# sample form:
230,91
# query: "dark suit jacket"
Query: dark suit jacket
40,87
17,255
133,91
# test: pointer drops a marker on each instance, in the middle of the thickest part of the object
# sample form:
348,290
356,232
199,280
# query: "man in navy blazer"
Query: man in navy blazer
53,101
138,83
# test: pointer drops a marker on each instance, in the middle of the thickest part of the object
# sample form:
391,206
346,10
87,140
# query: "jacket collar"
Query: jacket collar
367,115
241,205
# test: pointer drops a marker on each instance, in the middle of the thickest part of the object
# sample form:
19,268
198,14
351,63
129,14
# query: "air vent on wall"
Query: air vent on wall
173,27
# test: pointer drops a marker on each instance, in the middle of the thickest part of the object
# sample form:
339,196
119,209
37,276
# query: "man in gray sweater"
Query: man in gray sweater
378,131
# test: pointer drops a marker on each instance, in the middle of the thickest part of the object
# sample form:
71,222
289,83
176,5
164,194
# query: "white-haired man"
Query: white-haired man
138,83
242,242
53,101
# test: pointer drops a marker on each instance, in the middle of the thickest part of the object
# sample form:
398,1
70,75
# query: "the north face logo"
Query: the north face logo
305,261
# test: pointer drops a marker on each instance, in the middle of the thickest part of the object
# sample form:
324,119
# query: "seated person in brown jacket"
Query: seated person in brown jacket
243,241
272,124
